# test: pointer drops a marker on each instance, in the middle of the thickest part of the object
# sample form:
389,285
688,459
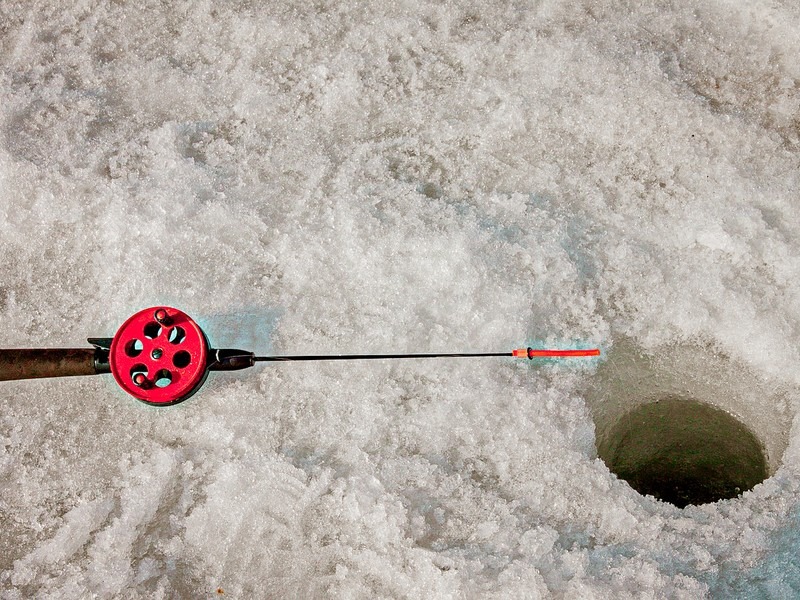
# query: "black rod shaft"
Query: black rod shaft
373,356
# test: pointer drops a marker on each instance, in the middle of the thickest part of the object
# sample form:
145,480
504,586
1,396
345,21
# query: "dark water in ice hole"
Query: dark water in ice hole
684,452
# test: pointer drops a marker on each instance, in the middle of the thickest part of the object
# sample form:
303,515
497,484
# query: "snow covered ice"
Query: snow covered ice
339,177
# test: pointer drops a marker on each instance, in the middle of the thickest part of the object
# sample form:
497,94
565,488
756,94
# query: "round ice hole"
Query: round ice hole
176,335
134,348
686,423
152,330
684,452
163,378
181,359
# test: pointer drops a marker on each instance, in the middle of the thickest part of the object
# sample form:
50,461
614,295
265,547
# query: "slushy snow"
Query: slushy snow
335,177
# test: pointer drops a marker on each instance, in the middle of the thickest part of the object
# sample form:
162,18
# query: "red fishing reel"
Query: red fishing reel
160,356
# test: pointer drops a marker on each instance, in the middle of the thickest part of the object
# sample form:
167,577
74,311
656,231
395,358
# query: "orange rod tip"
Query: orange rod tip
551,353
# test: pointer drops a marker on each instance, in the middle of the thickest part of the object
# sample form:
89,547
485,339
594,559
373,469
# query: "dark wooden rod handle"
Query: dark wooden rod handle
50,362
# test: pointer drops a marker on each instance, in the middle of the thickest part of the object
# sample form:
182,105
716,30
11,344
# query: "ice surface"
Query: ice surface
352,177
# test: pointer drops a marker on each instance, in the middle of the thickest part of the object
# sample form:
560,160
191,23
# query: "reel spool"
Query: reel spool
159,356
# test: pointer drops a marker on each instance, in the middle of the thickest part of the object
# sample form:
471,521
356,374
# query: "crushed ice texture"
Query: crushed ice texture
318,176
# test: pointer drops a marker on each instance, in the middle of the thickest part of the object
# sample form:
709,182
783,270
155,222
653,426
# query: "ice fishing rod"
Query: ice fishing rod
161,356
